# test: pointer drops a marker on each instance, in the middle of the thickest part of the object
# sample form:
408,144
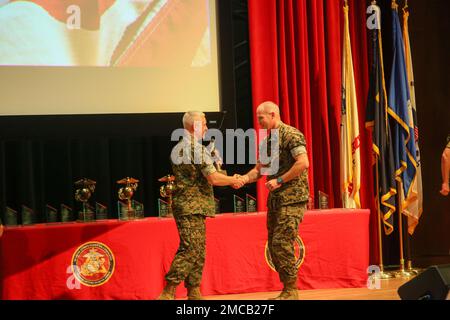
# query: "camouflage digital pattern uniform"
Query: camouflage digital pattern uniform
287,204
193,201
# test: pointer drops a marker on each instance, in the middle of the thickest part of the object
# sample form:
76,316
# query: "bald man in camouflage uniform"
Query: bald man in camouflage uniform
193,201
288,195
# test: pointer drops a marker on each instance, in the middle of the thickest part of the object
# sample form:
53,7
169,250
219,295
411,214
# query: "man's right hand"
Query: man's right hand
239,181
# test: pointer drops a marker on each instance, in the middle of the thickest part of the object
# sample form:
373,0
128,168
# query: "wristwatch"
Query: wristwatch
280,180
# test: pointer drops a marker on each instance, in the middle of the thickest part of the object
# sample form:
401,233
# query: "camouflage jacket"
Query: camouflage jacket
193,194
291,144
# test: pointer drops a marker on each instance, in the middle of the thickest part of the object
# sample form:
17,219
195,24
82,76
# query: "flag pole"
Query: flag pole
402,273
382,275
409,267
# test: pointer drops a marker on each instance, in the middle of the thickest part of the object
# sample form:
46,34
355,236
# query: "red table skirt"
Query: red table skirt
36,261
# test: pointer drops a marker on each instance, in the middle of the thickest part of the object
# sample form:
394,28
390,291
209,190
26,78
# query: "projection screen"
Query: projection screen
63,57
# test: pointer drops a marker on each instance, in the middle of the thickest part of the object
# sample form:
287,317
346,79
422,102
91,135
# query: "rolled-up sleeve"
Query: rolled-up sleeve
297,144
207,165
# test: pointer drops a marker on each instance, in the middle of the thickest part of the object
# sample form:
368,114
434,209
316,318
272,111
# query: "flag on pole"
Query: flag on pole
400,111
415,208
377,122
350,138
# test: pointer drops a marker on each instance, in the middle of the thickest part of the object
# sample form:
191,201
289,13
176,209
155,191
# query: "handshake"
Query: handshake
240,181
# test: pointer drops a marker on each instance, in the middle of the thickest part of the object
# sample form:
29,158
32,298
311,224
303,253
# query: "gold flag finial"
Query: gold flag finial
374,2
405,8
345,3
394,4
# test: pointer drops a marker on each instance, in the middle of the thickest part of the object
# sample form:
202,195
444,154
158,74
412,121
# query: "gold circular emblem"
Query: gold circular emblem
93,264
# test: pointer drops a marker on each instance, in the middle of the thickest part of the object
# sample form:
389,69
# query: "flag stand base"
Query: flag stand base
404,274
382,275
413,271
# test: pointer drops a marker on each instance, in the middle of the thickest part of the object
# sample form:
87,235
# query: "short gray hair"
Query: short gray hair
188,118
268,106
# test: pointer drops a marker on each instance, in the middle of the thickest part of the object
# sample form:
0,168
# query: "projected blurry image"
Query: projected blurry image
139,33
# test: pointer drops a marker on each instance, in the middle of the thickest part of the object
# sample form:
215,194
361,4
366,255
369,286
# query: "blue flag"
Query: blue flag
377,122
400,111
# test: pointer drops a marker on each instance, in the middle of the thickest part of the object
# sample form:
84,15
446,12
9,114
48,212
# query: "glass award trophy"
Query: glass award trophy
217,205
250,203
163,208
28,216
125,193
166,191
87,214
239,204
51,214
101,212
138,209
323,200
66,213
85,189
10,217
123,211
310,204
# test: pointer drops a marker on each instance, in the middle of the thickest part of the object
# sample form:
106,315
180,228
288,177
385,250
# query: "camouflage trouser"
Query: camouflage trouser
282,227
190,258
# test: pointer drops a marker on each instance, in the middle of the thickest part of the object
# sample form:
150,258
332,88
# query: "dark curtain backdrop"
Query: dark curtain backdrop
36,172
296,62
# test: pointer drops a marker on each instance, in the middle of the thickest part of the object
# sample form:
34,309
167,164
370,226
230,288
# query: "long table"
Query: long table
127,260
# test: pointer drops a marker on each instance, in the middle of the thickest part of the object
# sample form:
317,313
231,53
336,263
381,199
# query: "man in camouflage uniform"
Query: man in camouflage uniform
193,201
445,168
289,192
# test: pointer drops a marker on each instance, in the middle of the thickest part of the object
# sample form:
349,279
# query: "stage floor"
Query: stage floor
388,291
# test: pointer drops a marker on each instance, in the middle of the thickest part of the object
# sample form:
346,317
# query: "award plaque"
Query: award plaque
87,214
101,211
239,204
163,209
28,216
323,200
66,213
250,203
217,204
125,211
138,209
125,193
51,214
10,217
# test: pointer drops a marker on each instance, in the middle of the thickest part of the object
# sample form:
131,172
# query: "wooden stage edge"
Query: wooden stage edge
388,291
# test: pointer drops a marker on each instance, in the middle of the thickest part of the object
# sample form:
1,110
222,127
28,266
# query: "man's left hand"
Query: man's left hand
272,185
